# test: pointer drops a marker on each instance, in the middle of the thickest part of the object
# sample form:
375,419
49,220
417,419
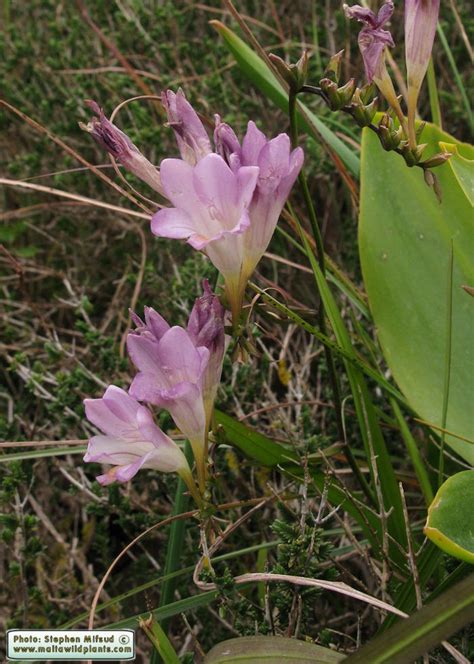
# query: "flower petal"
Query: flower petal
180,360
156,324
114,414
172,223
254,141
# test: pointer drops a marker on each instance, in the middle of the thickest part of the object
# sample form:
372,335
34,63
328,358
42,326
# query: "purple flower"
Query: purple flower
206,328
130,440
110,137
278,167
192,139
372,38
210,209
225,204
421,18
170,376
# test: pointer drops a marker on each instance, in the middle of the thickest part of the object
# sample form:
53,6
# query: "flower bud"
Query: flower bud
363,113
437,160
330,90
335,96
118,144
294,74
421,18
346,92
333,69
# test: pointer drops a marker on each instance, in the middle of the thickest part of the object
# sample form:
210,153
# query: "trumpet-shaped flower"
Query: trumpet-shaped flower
210,210
225,204
278,167
130,440
421,18
205,330
110,137
170,375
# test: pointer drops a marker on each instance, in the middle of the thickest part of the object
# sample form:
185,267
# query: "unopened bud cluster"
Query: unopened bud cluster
293,74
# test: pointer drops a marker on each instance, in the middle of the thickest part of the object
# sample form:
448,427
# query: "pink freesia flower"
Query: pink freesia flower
278,167
192,139
110,137
179,369
130,440
372,38
205,330
421,18
170,376
225,204
210,210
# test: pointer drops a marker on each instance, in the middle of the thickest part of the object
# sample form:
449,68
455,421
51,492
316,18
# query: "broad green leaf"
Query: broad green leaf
264,79
270,649
424,630
450,523
463,169
405,239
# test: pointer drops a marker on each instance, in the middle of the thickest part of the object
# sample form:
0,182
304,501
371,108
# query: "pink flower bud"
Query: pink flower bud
110,137
421,18
206,328
193,141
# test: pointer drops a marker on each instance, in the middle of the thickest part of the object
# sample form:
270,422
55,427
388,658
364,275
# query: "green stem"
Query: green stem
433,93
321,312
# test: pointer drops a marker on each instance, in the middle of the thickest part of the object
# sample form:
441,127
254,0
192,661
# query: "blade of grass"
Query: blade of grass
174,549
180,606
457,76
40,454
162,645
414,453
424,630
433,94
